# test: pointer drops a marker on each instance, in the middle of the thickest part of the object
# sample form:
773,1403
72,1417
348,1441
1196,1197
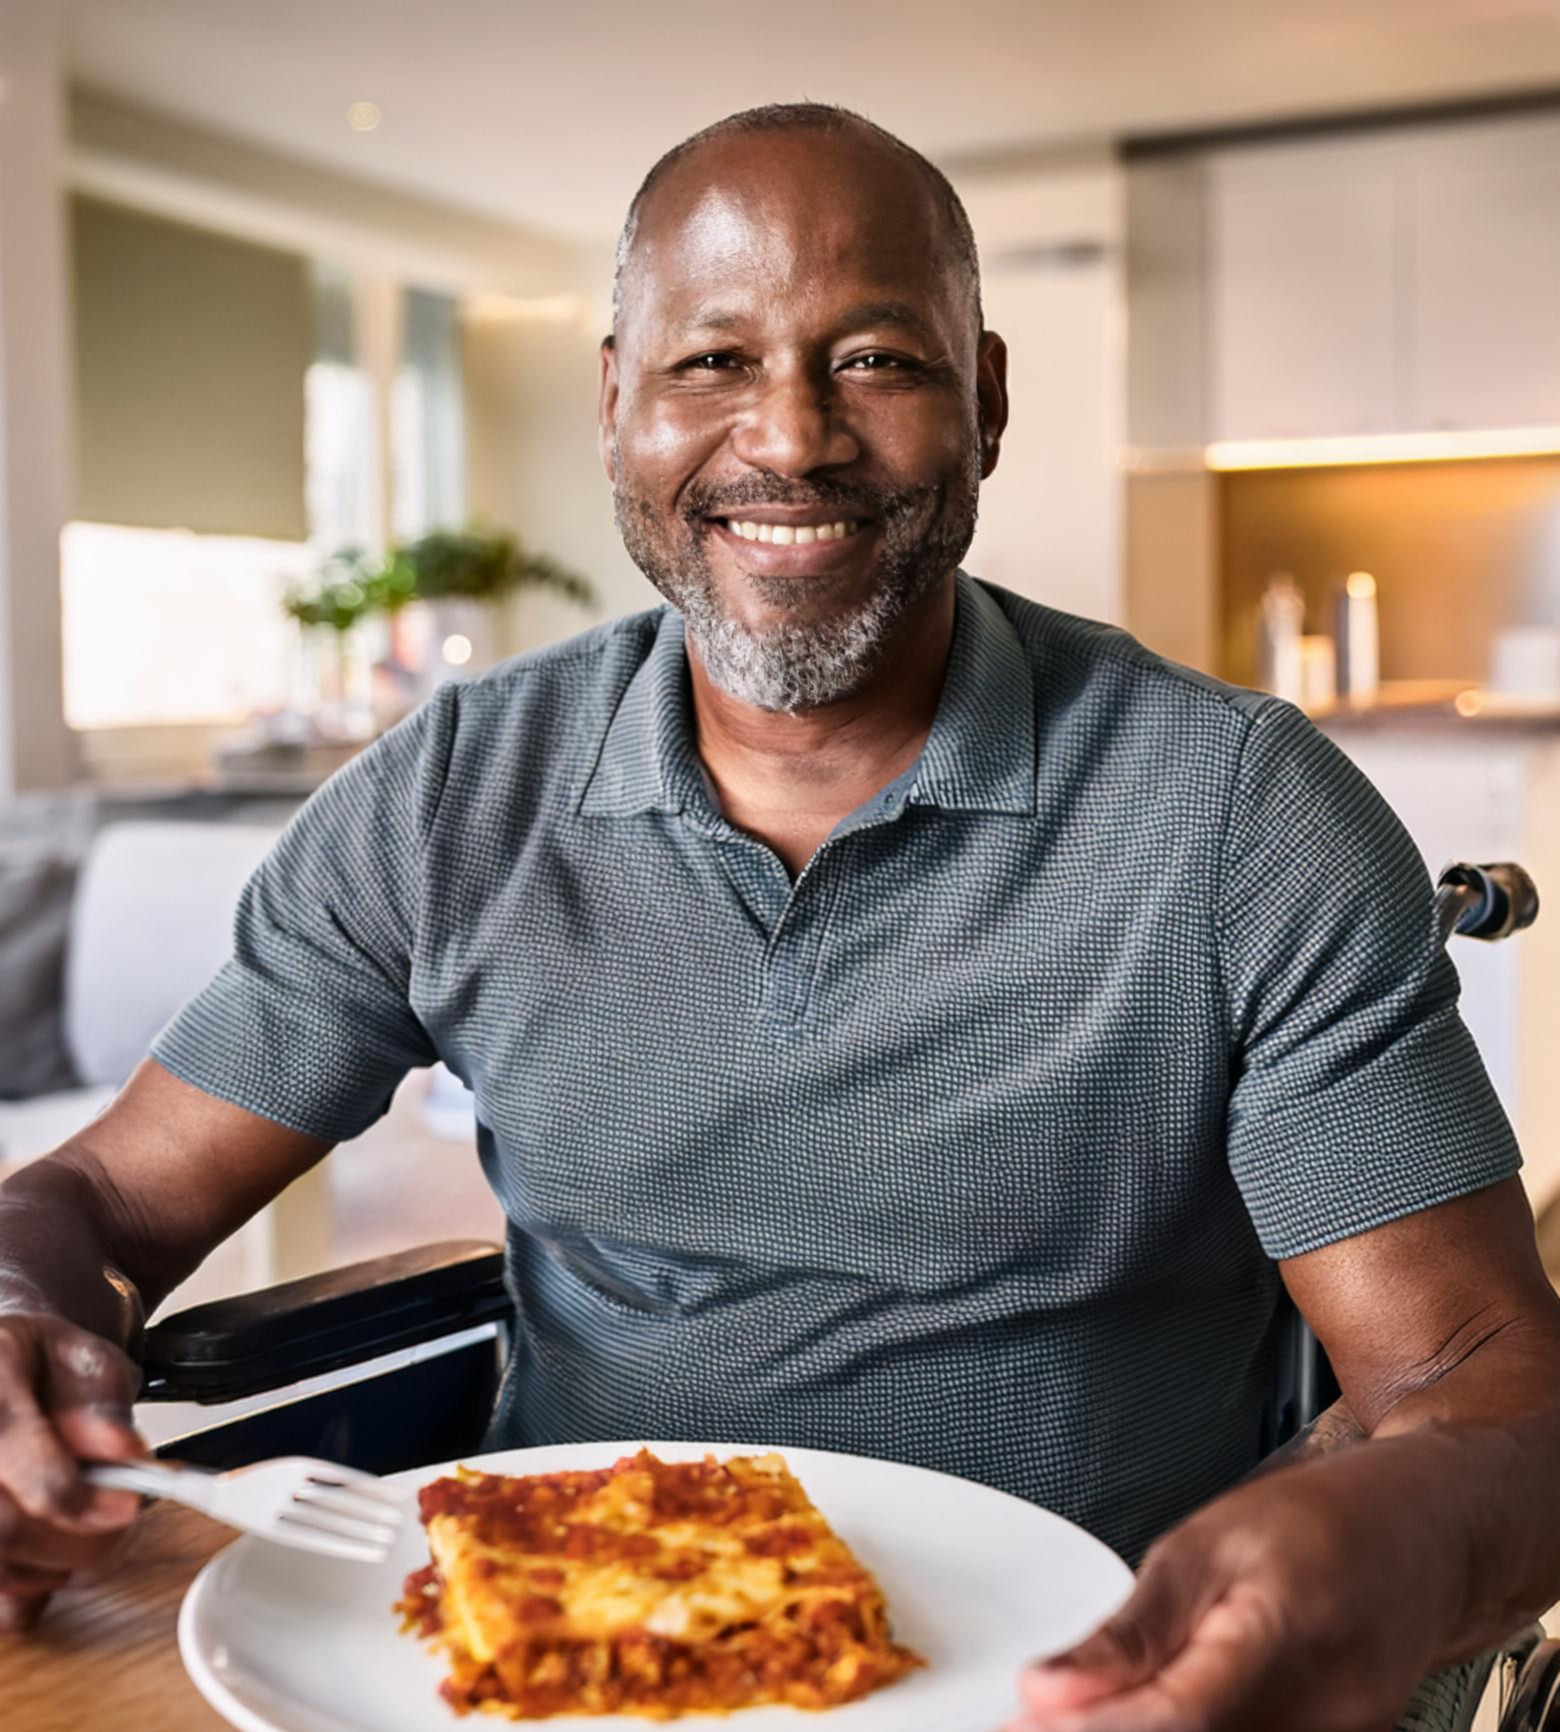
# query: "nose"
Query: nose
793,427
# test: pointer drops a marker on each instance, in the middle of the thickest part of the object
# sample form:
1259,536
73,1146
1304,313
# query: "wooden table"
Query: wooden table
106,1657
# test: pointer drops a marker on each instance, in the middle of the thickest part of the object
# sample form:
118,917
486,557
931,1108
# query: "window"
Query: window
428,418
163,626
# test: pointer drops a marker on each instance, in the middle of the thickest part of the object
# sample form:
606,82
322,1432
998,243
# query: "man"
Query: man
902,1018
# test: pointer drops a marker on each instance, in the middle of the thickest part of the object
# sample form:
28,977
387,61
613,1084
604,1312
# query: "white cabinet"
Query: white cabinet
1483,278
1477,792
1301,276
1404,281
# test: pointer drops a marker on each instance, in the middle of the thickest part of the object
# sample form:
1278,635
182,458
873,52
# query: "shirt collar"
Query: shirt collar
979,755
647,762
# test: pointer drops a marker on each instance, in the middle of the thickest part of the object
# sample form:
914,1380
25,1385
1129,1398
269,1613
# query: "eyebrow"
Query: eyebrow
899,313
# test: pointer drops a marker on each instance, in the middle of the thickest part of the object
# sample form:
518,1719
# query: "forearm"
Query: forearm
1472,1458
105,1228
1334,1428
1480,1445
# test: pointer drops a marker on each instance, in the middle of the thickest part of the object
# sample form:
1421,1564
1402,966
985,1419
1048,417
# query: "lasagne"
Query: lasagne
649,1588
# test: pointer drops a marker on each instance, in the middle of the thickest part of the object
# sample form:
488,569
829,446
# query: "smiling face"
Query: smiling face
798,407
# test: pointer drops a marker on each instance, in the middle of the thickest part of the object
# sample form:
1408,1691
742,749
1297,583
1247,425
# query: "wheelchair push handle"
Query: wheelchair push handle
1491,901
1531,1694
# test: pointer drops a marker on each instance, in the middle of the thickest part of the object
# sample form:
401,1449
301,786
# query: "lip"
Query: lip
796,515
808,559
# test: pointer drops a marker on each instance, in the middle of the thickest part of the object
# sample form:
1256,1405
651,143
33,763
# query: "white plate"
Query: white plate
977,1582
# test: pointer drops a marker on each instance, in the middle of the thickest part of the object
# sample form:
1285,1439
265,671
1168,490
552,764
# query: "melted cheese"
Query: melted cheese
731,1559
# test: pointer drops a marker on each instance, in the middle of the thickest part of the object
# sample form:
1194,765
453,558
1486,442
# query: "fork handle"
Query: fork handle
152,1479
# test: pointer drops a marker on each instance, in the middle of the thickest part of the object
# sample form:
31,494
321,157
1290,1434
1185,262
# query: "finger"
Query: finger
1126,1649
21,1611
1219,1682
88,1386
38,1547
36,1468
20,1580
105,1435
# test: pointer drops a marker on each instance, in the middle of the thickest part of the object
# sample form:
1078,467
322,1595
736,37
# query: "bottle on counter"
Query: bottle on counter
1358,638
1318,672
1280,627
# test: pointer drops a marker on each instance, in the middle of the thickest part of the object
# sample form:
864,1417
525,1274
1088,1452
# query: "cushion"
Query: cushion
36,884
153,922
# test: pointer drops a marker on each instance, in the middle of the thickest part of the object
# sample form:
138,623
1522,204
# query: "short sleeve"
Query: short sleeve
1358,1094
310,1022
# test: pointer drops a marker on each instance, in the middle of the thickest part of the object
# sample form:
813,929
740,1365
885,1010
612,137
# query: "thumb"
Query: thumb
19,1612
1125,1651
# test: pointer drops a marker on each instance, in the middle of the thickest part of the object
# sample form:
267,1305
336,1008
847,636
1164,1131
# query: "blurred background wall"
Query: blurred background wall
286,285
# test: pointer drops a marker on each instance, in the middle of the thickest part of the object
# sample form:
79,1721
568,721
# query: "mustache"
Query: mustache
845,499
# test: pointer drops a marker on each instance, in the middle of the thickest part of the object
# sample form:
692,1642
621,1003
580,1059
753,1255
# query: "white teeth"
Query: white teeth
787,534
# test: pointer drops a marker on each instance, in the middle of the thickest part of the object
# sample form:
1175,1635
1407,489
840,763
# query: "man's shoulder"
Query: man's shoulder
1072,656
531,724
559,694
606,654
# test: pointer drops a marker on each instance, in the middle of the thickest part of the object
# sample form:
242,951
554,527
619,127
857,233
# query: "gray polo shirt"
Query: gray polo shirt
972,1147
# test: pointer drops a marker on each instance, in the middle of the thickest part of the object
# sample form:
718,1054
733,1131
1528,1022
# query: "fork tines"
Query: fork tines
356,1510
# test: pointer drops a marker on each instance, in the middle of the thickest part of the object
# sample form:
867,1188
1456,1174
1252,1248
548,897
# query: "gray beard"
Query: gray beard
806,666
795,667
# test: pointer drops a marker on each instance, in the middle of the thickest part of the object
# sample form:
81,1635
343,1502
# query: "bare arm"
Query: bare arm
1444,1333
1321,1593
149,1189
92,1238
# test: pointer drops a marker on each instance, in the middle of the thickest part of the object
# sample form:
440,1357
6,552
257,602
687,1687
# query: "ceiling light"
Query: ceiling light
1383,448
363,116
540,309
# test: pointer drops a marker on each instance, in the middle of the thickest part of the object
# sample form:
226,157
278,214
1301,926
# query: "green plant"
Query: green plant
477,564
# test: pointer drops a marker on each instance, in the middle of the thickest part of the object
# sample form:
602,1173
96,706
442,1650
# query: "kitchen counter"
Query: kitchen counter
1490,717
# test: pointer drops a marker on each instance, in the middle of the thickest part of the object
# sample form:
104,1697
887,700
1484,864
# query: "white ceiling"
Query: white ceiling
548,115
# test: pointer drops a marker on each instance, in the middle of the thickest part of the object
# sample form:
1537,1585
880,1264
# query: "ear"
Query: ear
606,409
991,395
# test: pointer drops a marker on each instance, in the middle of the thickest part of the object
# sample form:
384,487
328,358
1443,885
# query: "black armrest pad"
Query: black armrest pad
262,1341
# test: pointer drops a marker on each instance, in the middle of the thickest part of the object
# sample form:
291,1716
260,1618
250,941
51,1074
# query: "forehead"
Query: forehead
780,221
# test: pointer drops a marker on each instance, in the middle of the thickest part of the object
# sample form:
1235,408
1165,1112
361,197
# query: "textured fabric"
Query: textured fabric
969,1148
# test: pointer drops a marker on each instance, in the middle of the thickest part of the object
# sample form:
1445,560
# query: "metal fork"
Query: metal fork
293,1499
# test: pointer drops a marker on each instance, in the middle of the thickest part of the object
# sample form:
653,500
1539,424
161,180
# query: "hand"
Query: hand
1309,1601
64,1397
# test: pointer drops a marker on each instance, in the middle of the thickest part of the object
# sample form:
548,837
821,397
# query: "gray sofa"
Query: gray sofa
107,925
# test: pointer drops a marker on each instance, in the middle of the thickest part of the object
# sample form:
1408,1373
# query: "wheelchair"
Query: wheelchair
396,1363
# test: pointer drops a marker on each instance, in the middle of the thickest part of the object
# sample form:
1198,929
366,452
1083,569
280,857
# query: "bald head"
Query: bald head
840,128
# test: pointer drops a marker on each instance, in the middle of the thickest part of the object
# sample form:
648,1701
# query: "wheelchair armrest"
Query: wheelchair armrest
1535,1701
281,1335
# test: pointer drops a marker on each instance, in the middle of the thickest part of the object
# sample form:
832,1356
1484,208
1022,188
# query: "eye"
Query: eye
713,362
878,361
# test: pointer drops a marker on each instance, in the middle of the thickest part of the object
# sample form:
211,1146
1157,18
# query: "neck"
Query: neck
788,779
